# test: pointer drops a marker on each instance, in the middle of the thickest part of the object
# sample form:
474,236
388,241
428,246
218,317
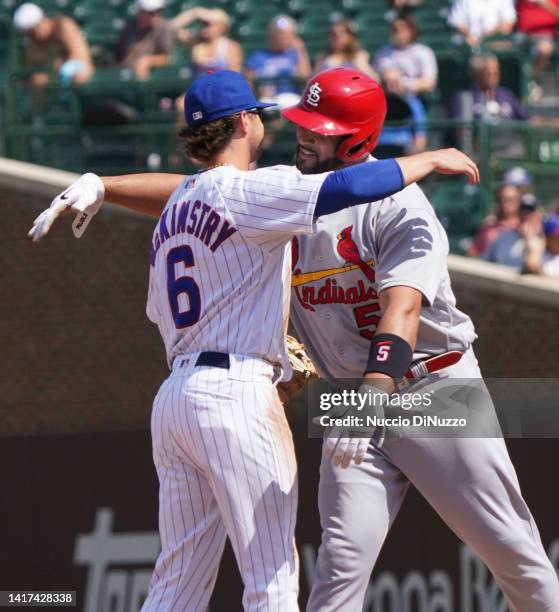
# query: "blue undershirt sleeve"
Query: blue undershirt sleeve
359,184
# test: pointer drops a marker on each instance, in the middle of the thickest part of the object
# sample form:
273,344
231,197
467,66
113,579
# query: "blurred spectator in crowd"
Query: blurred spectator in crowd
416,62
146,41
506,217
53,37
210,48
402,106
520,178
486,99
511,247
401,5
286,61
344,50
542,255
480,19
554,206
538,19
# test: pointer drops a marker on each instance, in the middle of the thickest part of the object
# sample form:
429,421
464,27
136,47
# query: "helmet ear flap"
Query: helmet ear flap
348,150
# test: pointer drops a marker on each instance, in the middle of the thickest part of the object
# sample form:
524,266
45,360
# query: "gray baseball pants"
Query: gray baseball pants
472,485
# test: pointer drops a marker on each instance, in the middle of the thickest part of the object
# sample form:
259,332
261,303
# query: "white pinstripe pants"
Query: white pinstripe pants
225,460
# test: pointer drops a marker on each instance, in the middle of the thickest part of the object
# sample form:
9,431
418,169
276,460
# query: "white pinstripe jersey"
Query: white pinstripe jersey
220,269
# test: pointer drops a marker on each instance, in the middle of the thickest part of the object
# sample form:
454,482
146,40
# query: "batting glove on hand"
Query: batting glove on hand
84,196
342,451
342,445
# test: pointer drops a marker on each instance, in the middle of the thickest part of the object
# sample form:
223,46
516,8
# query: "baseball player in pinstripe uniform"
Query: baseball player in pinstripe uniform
218,291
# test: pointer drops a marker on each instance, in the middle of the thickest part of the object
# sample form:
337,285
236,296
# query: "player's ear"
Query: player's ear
244,122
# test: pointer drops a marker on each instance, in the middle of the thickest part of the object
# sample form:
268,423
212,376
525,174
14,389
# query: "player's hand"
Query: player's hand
342,451
343,445
452,161
85,196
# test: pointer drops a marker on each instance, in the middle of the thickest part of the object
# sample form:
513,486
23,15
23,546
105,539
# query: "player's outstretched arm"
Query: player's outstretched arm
143,193
443,161
375,180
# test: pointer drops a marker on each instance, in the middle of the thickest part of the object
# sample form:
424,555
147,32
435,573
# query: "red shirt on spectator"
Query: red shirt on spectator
534,19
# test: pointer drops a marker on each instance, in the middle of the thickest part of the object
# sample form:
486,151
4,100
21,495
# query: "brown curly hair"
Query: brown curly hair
202,142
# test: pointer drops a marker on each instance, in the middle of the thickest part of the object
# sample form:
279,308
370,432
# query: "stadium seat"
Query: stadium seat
254,9
460,208
312,26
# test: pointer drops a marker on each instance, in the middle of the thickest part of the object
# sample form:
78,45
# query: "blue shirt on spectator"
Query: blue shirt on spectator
504,105
509,249
267,64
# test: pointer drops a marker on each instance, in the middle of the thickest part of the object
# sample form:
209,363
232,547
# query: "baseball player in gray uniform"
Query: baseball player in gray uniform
219,293
376,276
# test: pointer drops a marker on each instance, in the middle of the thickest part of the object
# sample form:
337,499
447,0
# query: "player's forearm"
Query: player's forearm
416,167
144,193
400,307
444,161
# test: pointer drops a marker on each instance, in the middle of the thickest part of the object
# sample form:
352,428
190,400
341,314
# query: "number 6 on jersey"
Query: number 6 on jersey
181,285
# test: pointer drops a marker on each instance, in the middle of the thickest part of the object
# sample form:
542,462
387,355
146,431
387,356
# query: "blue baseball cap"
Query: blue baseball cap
551,226
218,94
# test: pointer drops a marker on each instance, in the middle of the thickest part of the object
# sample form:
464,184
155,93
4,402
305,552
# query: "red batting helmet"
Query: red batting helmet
342,102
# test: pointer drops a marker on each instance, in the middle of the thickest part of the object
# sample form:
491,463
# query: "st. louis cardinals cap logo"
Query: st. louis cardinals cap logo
313,94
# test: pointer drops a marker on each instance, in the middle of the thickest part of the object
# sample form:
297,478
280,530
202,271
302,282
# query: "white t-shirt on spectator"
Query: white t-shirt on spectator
550,264
416,61
481,16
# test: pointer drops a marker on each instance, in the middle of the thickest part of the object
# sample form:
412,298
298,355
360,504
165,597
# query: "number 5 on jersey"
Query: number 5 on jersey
182,288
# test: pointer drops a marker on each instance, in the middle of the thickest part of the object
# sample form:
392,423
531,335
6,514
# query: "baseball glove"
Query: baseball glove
303,371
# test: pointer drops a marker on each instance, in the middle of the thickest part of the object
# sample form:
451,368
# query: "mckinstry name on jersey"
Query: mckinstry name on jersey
199,219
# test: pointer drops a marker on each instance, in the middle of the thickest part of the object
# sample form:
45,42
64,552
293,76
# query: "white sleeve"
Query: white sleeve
411,244
428,62
271,203
508,12
457,16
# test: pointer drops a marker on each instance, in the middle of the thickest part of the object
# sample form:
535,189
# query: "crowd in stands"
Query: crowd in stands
516,234
406,66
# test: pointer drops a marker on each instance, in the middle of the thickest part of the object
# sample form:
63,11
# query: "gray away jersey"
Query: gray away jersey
356,253
220,259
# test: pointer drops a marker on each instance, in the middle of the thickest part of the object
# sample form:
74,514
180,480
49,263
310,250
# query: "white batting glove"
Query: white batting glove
342,451
85,196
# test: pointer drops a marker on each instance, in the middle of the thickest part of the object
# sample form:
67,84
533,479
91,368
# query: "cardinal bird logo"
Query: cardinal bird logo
349,252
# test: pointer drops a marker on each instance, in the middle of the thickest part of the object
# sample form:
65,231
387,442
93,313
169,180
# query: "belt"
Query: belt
214,359
428,366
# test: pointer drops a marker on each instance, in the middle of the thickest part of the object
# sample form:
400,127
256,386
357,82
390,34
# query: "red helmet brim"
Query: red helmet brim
316,122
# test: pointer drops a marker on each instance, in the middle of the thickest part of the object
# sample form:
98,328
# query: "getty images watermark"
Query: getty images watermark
469,408
369,408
